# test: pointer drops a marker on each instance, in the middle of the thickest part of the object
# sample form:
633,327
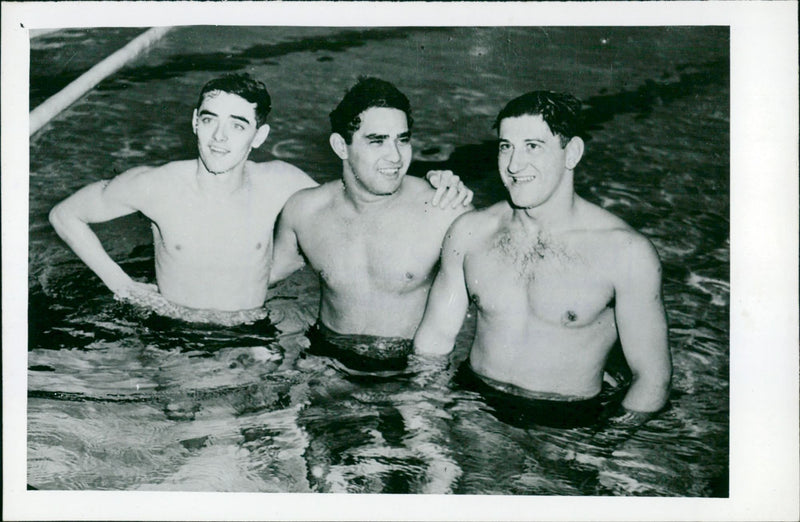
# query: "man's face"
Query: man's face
225,125
530,159
380,152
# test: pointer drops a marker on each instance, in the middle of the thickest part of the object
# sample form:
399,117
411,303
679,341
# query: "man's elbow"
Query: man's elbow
428,343
653,388
58,217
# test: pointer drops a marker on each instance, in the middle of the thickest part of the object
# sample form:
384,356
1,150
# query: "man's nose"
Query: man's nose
219,133
517,162
393,152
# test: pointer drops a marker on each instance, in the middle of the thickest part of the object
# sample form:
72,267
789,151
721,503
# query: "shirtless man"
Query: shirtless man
555,280
212,217
372,237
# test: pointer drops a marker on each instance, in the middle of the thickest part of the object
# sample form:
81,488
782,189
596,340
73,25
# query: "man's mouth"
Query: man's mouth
389,171
522,179
217,150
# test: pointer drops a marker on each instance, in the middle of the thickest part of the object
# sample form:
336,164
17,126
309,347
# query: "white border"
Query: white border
765,476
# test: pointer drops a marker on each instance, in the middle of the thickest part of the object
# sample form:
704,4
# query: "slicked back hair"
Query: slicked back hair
245,86
561,112
365,94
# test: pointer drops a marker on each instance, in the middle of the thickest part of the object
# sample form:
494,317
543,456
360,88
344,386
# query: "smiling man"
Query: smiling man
372,236
555,280
212,217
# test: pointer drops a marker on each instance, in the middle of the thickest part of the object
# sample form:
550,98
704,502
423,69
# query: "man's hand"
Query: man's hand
137,292
450,190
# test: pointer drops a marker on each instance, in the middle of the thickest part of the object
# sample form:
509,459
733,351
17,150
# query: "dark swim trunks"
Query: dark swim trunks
526,412
167,333
366,353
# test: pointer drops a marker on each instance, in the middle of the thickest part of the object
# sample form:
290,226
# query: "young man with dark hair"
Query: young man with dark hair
212,217
555,281
372,236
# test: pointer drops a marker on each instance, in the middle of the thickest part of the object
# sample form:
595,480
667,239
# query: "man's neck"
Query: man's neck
222,182
364,201
554,214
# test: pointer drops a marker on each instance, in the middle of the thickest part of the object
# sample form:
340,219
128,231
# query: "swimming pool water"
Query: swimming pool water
120,399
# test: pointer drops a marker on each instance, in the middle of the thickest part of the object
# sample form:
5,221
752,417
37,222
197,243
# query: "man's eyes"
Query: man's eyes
405,140
506,147
207,120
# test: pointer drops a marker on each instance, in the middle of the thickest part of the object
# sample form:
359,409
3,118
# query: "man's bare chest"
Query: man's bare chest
546,282
349,254
214,233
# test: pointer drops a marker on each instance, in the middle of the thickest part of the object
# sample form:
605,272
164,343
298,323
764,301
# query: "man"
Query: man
372,237
374,240
555,280
212,217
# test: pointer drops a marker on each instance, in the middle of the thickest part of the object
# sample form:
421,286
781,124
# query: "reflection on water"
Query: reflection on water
121,399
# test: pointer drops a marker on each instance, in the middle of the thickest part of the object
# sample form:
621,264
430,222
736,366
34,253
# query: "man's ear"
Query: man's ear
574,152
338,145
194,122
260,137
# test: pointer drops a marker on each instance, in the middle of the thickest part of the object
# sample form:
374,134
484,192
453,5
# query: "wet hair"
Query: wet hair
561,112
366,94
245,86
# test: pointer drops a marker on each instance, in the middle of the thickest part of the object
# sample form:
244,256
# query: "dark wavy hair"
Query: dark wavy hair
366,94
245,86
561,112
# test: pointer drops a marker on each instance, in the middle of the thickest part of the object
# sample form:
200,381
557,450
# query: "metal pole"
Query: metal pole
67,96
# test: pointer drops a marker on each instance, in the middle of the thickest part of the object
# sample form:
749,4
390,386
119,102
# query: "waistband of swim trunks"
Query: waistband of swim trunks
372,346
512,389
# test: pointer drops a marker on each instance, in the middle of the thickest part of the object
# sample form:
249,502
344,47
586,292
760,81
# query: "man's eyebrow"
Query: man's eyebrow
241,118
406,134
206,112
376,136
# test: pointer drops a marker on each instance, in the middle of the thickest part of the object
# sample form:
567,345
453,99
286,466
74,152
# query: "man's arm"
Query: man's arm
642,326
447,301
95,203
286,256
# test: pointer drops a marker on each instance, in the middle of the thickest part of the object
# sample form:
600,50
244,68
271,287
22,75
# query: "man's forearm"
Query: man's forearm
434,338
80,238
646,395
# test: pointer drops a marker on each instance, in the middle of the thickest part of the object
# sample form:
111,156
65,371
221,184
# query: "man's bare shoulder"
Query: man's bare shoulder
159,175
311,199
616,238
477,225
594,217
278,174
418,194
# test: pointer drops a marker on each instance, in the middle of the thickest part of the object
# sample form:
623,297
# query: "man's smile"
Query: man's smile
522,179
393,171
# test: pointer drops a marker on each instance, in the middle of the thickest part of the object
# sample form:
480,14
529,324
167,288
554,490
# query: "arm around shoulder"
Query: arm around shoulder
288,176
448,299
642,325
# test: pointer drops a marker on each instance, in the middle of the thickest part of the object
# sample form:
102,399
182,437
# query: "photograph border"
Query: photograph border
764,455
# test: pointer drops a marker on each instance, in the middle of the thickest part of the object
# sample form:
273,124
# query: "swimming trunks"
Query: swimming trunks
369,353
167,332
528,412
